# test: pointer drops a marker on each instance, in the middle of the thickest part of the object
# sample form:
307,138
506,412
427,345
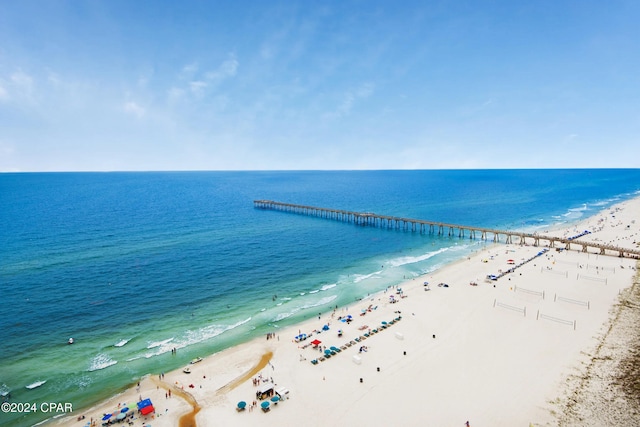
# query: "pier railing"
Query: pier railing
446,229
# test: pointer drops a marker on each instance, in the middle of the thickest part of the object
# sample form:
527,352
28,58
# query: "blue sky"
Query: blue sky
255,85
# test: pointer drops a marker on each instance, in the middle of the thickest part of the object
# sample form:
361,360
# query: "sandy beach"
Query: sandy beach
528,349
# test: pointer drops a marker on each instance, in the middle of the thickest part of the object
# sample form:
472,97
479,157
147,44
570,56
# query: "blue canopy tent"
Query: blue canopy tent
144,403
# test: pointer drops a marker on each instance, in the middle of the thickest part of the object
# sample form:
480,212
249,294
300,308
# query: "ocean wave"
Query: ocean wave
159,343
101,361
315,291
459,247
75,382
35,384
4,390
580,209
327,287
397,262
121,343
572,215
360,277
194,336
283,316
321,301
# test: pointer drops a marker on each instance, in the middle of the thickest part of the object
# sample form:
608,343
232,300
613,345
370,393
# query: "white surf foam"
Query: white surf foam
101,361
35,384
397,262
159,343
121,343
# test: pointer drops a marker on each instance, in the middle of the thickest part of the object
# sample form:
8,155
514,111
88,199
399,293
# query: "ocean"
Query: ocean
133,265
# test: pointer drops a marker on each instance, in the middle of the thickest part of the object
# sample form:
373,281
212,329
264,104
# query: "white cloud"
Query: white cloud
350,98
188,71
175,94
197,87
228,68
4,95
18,87
131,107
570,139
23,82
197,83
267,52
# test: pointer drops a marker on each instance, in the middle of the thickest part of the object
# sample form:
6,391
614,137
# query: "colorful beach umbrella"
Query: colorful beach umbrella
275,398
265,404
125,409
106,417
242,404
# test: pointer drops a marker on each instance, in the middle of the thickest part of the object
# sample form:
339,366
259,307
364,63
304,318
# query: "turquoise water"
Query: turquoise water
132,265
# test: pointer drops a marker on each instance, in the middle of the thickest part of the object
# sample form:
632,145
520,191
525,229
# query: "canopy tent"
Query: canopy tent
144,403
282,392
316,342
147,410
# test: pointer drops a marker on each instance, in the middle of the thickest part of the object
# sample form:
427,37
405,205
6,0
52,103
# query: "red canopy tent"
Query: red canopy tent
316,342
147,410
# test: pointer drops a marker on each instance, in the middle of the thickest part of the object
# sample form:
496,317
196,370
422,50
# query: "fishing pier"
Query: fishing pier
451,230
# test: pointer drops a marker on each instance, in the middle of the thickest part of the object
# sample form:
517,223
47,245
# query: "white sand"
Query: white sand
500,356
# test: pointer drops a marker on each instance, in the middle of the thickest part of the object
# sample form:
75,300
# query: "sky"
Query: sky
120,85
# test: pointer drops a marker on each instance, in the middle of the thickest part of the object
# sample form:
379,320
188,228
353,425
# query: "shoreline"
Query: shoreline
399,351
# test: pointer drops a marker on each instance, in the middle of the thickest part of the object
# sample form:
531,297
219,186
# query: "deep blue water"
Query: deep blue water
152,261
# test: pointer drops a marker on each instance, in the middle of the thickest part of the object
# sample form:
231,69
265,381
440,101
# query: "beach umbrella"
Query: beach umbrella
275,398
125,409
384,323
242,404
106,417
334,348
121,416
325,328
265,404
327,351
